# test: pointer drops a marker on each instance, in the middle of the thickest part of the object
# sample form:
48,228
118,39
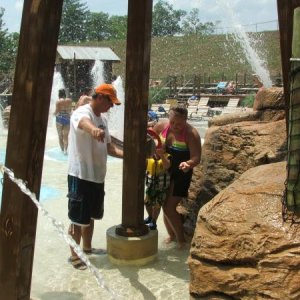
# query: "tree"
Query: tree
3,33
166,20
118,27
98,27
73,24
8,48
192,25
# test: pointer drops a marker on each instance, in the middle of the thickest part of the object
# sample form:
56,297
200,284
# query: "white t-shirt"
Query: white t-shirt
87,156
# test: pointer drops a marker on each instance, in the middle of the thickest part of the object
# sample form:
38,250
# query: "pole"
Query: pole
136,94
293,181
26,143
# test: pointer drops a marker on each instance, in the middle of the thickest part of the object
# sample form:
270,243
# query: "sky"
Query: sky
245,12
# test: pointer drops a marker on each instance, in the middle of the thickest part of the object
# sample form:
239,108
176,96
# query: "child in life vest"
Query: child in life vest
157,185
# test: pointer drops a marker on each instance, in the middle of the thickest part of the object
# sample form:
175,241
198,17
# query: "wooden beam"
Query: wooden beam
285,17
26,143
136,95
295,3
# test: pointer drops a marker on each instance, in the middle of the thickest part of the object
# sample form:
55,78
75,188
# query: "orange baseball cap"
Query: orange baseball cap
109,90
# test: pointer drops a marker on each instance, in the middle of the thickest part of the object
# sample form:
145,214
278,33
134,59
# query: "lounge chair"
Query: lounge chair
231,106
200,110
161,110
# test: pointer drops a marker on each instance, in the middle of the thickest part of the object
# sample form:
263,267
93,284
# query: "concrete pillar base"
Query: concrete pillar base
136,251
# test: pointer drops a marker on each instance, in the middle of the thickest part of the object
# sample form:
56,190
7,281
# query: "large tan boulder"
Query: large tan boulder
271,98
231,150
241,248
227,153
267,115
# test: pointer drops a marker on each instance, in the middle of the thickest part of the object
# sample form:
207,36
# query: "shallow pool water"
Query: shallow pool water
53,278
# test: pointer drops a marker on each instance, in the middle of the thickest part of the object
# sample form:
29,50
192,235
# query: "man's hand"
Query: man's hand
98,134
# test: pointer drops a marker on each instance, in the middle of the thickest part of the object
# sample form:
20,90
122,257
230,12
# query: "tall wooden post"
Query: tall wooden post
26,143
285,17
136,94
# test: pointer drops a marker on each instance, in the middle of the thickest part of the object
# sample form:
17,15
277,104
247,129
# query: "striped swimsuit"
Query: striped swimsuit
179,152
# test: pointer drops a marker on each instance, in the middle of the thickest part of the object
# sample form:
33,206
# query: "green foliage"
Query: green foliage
101,27
166,20
3,33
118,27
205,55
157,95
248,100
191,24
73,23
97,26
8,48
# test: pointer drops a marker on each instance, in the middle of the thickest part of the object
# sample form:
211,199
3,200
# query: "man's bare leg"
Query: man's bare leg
87,235
75,233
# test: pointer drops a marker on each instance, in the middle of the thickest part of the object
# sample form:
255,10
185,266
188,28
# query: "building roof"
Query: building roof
86,53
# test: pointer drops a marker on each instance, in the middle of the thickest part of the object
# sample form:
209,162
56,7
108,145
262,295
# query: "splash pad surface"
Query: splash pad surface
54,278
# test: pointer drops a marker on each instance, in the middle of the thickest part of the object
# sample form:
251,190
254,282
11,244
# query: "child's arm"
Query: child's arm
161,152
165,161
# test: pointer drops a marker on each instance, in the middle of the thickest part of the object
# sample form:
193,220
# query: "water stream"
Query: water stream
240,36
60,228
97,73
116,113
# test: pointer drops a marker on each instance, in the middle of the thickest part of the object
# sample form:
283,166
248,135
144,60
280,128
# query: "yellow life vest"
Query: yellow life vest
155,167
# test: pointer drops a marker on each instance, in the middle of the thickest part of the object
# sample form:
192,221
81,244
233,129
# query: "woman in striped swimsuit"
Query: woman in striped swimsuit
182,142
63,113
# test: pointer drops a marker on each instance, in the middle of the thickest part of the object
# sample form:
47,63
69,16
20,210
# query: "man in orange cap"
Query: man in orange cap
89,145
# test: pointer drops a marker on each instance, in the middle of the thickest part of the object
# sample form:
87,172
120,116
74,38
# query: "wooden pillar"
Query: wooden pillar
285,17
26,143
136,95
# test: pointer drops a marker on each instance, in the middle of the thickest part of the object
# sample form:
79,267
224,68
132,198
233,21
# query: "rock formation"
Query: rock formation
241,248
233,144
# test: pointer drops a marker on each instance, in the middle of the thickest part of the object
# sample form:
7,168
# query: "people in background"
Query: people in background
62,113
230,88
152,118
85,97
193,100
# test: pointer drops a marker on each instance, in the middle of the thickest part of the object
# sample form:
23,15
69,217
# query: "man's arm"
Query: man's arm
87,125
114,151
